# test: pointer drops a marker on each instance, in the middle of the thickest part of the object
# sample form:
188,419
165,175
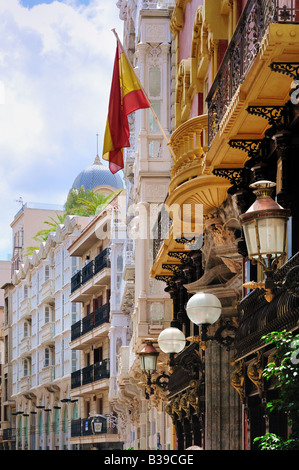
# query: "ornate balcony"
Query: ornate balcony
192,180
25,346
48,332
25,308
25,384
253,38
47,374
47,291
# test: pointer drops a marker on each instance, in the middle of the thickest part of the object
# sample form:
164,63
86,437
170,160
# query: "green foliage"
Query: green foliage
42,235
79,202
284,371
85,203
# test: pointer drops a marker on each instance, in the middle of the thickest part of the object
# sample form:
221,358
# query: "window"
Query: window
47,272
155,95
47,314
25,292
26,368
26,329
74,360
47,357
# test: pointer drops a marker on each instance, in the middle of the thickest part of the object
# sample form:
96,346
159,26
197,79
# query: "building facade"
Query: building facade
143,421
235,124
97,335
41,360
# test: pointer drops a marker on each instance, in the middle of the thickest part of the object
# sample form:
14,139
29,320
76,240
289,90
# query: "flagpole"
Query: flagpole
147,98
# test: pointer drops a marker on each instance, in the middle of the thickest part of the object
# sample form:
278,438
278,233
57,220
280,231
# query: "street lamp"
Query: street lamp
148,358
171,340
204,309
148,363
265,226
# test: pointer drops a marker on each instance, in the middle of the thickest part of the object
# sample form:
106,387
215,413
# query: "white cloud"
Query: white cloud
55,68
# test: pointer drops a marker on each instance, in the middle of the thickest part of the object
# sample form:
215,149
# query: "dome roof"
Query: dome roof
96,175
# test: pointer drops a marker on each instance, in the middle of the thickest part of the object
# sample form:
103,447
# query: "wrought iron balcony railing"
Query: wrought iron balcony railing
88,427
89,374
100,262
91,321
242,51
9,434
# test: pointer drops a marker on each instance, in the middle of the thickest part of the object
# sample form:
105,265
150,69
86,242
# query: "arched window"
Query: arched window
26,329
26,368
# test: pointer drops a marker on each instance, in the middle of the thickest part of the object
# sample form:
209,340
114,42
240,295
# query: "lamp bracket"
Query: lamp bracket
162,381
223,340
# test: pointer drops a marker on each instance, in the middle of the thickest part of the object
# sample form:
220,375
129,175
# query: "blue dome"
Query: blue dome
97,175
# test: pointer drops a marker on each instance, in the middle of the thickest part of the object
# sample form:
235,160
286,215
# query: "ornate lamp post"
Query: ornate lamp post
148,363
265,226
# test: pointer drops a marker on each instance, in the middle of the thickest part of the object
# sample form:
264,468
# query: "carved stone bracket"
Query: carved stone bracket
185,403
255,372
237,379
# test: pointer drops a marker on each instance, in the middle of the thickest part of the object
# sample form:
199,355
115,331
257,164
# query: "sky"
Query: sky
56,61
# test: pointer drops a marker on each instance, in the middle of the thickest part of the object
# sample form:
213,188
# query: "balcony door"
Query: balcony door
97,355
97,303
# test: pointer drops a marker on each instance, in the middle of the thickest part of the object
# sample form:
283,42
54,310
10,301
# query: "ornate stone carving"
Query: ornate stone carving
255,372
237,379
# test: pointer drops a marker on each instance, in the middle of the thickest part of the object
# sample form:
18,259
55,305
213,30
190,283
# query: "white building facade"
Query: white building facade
42,361
143,422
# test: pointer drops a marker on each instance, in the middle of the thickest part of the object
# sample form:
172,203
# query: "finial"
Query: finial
97,160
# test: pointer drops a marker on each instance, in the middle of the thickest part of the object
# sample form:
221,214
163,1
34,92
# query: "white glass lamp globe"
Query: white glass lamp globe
203,308
171,340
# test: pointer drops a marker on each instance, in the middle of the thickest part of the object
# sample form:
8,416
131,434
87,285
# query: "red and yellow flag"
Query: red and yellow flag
126,96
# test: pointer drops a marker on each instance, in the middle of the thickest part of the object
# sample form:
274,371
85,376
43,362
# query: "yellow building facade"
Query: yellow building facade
235,65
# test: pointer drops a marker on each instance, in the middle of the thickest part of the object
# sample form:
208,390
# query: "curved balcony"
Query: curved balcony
192,179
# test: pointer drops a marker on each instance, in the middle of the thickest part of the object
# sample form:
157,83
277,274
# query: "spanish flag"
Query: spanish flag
126,96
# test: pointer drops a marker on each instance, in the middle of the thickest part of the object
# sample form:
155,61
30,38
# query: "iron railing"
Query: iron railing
89,374
86,427
91,321
9,434
100,262
242,51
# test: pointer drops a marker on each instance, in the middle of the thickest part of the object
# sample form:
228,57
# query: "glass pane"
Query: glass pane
271,232
154,81
153,126
154,148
